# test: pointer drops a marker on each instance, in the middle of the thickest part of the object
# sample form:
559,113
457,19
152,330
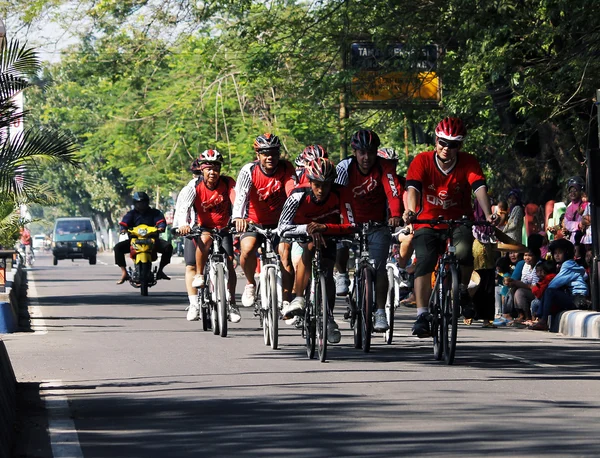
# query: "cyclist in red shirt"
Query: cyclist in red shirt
261,190
440,183
316,209
212,198
371,184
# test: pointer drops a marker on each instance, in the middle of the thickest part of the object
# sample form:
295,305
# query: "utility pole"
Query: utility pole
593,181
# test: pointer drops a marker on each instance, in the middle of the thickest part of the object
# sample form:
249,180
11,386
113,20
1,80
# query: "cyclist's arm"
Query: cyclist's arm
232,191
393,189
286,224
185,200
342,173
484,201
290,180
242,193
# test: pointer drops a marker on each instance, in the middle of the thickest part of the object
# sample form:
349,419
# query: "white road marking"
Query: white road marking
522,360
38,324
63,435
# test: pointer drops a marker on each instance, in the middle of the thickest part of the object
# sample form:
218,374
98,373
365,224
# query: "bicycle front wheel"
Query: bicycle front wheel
366,308
221,301
451,312
321,308
309,331
354,301
389,306
437,330
273,309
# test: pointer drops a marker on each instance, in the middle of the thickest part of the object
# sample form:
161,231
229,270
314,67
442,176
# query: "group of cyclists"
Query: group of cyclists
319,200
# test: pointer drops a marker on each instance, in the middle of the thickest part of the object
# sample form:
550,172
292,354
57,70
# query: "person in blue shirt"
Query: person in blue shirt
142,213
565,290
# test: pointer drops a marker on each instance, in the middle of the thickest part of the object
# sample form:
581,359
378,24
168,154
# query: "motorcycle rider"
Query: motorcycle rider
142,213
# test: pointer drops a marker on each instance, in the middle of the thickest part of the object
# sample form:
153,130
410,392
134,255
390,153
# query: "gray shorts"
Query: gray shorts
379,240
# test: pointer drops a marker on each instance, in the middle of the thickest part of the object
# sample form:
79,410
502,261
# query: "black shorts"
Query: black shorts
429,243
189,248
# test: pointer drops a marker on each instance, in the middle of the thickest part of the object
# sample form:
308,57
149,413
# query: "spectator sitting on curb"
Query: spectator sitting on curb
567,291
545,271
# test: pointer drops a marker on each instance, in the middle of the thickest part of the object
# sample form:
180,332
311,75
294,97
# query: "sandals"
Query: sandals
539,326
468,321
123,279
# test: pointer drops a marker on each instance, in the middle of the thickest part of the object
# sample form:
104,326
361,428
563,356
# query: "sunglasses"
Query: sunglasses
448,143
269,152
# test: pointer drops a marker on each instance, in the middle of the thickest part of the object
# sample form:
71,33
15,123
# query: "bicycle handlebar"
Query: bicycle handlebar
452,222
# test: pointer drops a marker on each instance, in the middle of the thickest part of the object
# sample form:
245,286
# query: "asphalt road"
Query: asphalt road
141,381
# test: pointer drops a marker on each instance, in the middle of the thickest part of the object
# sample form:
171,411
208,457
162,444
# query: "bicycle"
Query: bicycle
269,294
361,298
396,281
317,312
444,302
214,297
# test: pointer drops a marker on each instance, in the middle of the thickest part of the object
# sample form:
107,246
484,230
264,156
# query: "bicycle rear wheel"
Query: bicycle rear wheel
389,306
321,307
450,314
366,308
222,309
273,311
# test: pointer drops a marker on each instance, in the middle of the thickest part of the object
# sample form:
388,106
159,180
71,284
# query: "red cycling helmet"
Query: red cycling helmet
388,153
311,153
451,129
321,169
266,141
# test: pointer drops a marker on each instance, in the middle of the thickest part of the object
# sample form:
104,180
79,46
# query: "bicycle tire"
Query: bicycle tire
222,309
437,330
205,318
273,310
321,307
366,309
309,331
451,312
355,318
390,307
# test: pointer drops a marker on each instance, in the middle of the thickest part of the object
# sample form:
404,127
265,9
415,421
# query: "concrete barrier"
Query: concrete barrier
13,300
8,386
580,323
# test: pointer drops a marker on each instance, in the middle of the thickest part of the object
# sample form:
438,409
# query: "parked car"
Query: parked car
74,238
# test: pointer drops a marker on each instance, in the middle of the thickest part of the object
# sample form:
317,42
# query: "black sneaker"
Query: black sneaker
421,327
160,275
466,305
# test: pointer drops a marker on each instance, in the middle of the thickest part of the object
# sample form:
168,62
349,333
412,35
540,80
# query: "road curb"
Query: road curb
580,323
8,386
14,295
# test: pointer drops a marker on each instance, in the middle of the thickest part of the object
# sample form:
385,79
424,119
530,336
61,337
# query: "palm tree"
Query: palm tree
22,155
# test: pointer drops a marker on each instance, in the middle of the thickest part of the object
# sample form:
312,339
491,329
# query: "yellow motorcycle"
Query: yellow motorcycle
143,252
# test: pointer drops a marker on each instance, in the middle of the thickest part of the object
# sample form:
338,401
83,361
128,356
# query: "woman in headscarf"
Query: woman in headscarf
516,215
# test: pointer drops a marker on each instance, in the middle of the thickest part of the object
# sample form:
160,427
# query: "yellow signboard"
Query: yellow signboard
396,86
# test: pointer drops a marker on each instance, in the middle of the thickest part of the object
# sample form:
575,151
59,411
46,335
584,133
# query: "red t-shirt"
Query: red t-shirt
446,194
213,207
301,208
373,193
260,197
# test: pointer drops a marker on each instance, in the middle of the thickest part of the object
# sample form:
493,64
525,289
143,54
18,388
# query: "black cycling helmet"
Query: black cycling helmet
195,166
365,140
565,245
141,197
577,182
266,141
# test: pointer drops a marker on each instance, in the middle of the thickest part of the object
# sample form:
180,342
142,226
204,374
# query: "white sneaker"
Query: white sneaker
341,284
234,314
333,332
380,324
198,281
248,296
291,321
293,308
193,313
